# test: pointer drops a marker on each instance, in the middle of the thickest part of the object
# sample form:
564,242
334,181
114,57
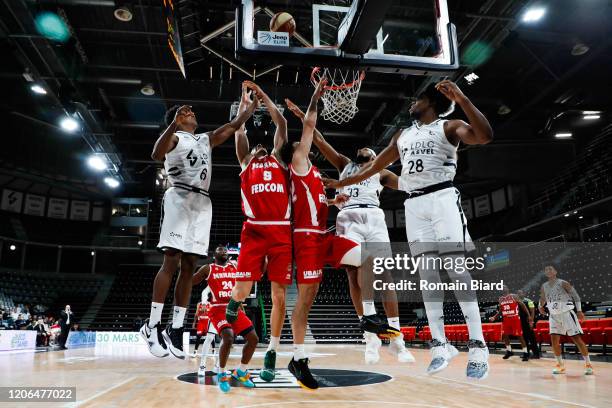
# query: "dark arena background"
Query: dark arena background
85,85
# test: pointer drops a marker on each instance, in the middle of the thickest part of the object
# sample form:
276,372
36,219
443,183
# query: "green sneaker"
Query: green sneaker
268,373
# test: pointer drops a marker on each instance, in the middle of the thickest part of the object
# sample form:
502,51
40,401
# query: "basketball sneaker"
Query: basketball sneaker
154,338
398,346
588,369
223,381
202,371
302,373
441,354
372,348
268,373
174,340
525,357
559,369
243,377
374,324
478,360
508,355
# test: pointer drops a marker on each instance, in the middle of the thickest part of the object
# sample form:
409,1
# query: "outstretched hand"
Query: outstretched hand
294,109
450,90
331,183
320,89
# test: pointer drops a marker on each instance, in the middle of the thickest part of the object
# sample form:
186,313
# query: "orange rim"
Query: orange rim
335,87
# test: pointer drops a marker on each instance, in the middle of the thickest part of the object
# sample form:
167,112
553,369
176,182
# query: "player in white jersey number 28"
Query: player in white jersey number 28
435,224
187,212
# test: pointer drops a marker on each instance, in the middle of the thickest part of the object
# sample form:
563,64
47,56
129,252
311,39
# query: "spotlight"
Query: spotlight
138,210
69,124
564,135
471,78
93,253
37,89
12,247
139,243
533,14
591,117
96,163
147,90
123,13
111,182
566,215
580,217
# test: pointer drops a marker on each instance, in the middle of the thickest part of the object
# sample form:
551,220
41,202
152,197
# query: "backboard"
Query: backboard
401,36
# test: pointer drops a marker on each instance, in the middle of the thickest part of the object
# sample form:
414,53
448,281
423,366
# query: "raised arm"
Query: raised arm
389,179
384,159
200,275
478,130
300,155
339,161
280,136
240,137
167,141
223,133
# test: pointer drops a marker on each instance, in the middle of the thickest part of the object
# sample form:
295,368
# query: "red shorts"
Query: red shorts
217,318
313,251
511,326
202,326
258,242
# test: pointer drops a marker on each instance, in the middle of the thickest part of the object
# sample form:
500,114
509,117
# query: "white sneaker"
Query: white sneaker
194,354
202,371
154,339
398,347
441,354
372,348
478,360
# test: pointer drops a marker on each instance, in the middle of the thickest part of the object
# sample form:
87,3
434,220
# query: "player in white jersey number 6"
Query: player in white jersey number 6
186,217
362,220
435,224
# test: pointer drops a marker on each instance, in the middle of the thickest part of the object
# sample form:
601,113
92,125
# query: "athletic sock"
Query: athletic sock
298,352
525,350
359,317
587,359
178,317
156,312
509,348
242,367
210,338
368,308
197,343
394,322
274,342
435,319
433,299
559,359
471,313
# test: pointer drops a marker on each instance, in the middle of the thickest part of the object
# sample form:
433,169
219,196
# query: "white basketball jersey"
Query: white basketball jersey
189,163
366,192
427,156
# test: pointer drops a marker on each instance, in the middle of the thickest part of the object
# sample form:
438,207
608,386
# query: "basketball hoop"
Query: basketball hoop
340,96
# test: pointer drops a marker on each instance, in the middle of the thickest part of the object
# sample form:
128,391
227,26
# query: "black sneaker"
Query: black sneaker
374,324
525,357
174,341
508,354
301,372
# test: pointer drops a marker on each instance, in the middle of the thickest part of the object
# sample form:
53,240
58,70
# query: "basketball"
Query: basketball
283,22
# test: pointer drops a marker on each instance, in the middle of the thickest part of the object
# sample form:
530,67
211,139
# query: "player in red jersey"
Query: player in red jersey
266,233
221,277
200,323
509,305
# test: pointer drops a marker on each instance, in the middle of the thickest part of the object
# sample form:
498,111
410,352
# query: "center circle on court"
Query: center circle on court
327,378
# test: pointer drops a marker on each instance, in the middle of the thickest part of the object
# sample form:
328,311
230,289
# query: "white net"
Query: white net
341,92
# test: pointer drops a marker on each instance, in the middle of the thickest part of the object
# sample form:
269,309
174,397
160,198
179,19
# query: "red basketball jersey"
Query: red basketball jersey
309,200
202,312
221,282
264,189
509,306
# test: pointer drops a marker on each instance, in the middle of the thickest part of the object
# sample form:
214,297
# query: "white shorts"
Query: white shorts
185,222
211,328
564,324
435,223
365,225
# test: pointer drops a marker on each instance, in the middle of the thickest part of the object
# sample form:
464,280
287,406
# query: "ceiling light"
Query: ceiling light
566,215
139,243
471,78
69,124
533,14
123,13
580,217
564,135
147,90
96,163
92,253
111,182
591,112
580,49
590,117
12,247
38,89
504,110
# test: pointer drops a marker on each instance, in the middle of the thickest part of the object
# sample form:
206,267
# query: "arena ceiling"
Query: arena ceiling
101,70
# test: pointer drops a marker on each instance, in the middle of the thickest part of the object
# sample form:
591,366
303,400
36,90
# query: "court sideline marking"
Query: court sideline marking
100,393
267,404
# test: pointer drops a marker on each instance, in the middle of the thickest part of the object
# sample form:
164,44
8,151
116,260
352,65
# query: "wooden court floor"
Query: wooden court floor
133,378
